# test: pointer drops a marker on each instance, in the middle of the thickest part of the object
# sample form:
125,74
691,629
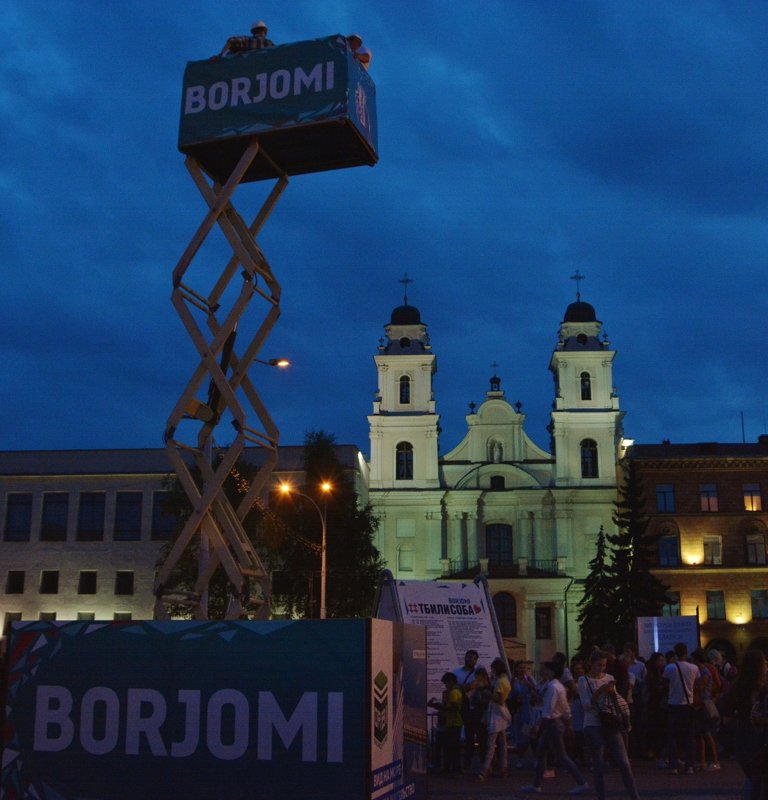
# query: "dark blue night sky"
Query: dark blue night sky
519,142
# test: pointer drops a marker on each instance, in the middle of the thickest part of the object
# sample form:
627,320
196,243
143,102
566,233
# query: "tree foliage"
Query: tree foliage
620,586
288,539
596,614
353,562
637,591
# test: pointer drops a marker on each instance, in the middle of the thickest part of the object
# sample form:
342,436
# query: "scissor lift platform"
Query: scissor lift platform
258,115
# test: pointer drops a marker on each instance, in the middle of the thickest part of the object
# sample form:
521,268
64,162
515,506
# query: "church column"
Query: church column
529,630
560,643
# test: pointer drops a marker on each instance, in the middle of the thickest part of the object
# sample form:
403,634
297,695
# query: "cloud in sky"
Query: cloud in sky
518,142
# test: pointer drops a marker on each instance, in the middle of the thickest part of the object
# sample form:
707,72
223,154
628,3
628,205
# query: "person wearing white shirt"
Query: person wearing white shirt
681,676
596,684
555,717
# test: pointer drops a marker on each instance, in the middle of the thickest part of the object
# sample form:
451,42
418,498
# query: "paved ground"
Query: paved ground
651,782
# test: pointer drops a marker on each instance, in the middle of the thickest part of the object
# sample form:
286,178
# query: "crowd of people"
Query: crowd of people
682,710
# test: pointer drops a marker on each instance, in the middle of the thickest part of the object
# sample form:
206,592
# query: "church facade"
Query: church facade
496,504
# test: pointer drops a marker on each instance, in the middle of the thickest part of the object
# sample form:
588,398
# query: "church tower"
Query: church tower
404,425
586,421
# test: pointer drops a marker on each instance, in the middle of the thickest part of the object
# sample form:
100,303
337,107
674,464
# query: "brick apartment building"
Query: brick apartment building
709,503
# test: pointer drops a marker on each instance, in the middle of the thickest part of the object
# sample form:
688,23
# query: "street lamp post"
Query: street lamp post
325,488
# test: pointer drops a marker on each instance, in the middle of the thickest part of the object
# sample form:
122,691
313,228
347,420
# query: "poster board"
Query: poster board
458,616
661,634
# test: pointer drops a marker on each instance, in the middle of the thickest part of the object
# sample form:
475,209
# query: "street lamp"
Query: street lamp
325,488
274,362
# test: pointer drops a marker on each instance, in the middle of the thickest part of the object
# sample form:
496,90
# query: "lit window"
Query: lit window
755,543
124,582
498,544
18,517
760,604
405,390
505,607
753,500
49,581
53,527
665,498
404,462
716,605
543,621
708,496
586,386
128,506
90,517
713,550
14,582
672,607
589,459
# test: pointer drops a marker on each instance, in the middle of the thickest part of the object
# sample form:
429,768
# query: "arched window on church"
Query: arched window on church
505,606
405,390
586,386
498,544
589,458
404,461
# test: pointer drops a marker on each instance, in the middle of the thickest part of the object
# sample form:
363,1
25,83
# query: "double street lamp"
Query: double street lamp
325,488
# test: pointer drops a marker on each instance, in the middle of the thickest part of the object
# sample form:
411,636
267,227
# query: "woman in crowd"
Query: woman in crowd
707,691
524,693
497,719
747,706
594,688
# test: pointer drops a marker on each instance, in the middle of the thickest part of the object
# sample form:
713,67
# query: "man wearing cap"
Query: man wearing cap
359,53
256,41
555,717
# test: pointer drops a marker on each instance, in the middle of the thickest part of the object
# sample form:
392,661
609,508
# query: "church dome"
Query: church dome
406,315
580,312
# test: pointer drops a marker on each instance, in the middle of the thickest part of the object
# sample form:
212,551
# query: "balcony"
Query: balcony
503,568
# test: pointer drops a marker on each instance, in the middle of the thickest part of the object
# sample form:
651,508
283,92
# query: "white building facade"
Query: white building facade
497,504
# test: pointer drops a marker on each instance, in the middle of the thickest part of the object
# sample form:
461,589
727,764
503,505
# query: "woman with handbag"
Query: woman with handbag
497,719
602,728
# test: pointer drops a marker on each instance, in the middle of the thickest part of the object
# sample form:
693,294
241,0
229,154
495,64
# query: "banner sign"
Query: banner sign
458,617
661,634
274,92
116,711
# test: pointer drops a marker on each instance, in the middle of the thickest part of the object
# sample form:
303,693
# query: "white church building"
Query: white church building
82,530
497,504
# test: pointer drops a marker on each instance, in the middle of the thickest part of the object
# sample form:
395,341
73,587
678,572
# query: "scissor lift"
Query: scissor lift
265,114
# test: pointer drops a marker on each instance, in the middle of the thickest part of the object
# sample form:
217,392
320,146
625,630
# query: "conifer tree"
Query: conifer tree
596,615
636,591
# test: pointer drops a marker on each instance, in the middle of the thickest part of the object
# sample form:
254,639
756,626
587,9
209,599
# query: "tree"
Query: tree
596,610
637,592
353,562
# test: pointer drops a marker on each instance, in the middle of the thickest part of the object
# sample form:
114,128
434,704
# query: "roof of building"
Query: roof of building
147,461
580,312
405,315
700,450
